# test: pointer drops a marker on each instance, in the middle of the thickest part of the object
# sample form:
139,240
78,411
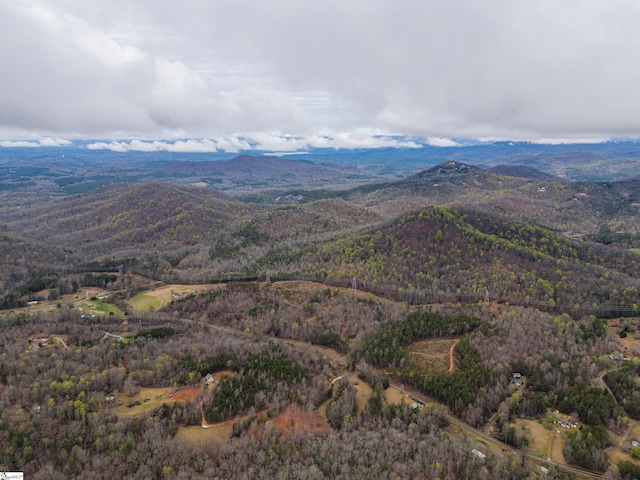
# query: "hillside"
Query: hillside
575,208
582,165
191,234
524,171
460,251
130,215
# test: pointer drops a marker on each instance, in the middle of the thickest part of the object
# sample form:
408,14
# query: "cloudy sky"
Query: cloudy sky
283,74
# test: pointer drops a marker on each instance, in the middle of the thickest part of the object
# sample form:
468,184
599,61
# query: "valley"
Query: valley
458,308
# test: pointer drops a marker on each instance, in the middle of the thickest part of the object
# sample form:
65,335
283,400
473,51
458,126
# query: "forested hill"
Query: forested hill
575,208
523,171
463,251
130,215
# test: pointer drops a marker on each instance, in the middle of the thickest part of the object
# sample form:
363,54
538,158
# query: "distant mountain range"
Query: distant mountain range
76,169
182,222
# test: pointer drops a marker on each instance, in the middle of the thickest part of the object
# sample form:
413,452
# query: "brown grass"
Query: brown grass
622,451
395,397
219,433
364,392
148,398
537,435
298,292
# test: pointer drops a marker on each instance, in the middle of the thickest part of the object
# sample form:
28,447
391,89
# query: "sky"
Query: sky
282,75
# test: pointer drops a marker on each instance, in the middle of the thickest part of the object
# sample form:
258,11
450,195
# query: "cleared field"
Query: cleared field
364,392
82,299
630,345
159,297
622,451
557,454
295,417
101,307
143,302
147,400
431,355
218,433
395,397
537,435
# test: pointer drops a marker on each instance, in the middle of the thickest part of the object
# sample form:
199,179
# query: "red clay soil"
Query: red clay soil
295,416
189,393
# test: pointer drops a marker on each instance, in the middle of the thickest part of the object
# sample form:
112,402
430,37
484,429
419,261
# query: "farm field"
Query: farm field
148,399
143,302
87,300
161,296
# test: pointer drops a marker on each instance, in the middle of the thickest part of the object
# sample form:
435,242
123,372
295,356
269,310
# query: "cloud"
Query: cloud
466,69
441,142
181,146
42,142
265,142
569,141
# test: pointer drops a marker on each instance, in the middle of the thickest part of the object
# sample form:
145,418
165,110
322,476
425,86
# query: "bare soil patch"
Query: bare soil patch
189,394
295,417
432,355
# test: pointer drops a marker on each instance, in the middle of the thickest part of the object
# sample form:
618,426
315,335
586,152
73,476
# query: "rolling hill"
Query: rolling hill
377,233
462,251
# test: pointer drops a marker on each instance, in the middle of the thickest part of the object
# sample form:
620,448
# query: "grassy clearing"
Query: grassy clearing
101,307
147,400
623,452
557,454
108,308
537,435
159,297
635,250
143,302
196,434
364,392
394,397
431,355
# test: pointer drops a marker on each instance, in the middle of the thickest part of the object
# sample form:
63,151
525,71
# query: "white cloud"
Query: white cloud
441,142
569,141
266,142
42,142
181,146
